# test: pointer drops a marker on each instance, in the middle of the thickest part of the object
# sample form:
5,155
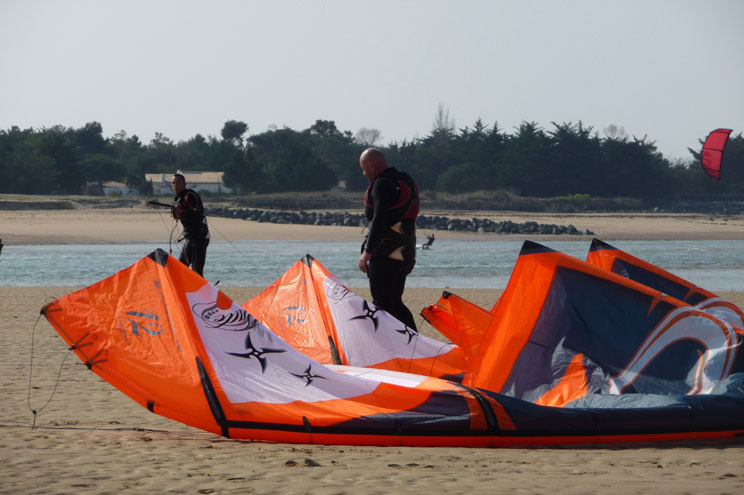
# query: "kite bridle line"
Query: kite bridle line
35,412
211,226
175,222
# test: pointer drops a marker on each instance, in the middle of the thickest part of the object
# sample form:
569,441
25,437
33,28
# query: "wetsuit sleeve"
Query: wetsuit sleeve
383,192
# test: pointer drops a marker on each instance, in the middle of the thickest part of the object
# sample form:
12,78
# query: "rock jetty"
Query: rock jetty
427,222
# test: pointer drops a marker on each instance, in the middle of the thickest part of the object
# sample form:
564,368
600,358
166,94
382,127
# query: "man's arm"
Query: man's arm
186,210
382,197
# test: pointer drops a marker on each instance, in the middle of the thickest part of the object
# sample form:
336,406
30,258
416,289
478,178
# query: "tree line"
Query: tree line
565,159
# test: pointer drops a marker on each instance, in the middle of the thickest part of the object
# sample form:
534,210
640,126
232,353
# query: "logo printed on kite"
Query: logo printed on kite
336,292
147,322
300,315
235,319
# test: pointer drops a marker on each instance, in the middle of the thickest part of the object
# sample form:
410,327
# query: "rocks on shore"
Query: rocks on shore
434,222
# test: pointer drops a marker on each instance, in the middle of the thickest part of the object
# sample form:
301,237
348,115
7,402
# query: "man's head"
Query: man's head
178,183
372,162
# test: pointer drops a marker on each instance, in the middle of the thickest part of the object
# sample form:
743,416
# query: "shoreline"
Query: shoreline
131,225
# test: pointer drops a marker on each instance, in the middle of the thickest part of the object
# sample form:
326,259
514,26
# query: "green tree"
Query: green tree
32,171
636,169
525,161
59,144
288,163
196,154
102,168
465,177
132,154
161,154
337,149
574,156
233,131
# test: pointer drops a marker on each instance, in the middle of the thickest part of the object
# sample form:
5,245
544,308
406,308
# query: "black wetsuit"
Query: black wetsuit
195,230
391,204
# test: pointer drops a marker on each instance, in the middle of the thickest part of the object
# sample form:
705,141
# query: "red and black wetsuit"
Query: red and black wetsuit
189,209
391,205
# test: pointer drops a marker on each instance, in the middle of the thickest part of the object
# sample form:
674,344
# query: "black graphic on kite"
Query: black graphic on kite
254,352
368,313
308,375
407,331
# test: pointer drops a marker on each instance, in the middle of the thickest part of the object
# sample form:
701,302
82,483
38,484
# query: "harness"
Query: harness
398,240
192,216
406,207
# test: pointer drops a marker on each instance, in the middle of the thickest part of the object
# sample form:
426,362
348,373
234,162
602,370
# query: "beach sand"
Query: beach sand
142,224
90,438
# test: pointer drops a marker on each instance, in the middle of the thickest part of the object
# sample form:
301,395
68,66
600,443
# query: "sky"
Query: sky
669,70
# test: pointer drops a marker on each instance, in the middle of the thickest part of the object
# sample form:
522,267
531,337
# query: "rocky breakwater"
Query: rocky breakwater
435,222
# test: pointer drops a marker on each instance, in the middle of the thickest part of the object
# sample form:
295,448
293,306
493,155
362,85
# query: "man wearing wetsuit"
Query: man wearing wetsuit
391,205
189,209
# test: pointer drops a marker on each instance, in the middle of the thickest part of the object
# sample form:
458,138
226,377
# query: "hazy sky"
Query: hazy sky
669,69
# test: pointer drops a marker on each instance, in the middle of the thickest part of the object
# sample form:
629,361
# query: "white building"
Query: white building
198,181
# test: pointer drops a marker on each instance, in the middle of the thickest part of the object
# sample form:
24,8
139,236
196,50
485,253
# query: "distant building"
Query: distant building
198,181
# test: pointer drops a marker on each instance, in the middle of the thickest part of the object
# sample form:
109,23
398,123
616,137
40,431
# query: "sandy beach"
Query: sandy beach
90,438
137,224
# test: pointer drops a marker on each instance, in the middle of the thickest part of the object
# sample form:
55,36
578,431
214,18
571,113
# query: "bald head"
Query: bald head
372,162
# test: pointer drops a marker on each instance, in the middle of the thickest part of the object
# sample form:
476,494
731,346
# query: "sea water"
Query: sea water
480,264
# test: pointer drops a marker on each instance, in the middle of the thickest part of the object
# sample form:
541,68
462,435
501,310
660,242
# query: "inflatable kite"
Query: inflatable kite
572,353
711,156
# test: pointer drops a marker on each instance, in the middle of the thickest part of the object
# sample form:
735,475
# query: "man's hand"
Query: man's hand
178,211
363,259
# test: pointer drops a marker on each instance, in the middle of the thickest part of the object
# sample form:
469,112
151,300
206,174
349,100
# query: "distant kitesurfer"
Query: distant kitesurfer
429,242
189,209
391,205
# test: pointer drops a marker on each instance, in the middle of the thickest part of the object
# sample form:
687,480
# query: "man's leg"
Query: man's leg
387,280
200,255
186,252
194,254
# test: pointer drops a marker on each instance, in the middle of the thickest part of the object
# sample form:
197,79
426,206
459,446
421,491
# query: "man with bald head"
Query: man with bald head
391,205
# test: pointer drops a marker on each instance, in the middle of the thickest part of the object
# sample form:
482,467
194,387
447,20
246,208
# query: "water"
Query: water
486,264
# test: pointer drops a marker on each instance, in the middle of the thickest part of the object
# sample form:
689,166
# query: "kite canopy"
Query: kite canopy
712,153
571,354
314,313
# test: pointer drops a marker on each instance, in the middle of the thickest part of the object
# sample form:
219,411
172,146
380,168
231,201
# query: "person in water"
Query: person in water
391,205
429,242
189,210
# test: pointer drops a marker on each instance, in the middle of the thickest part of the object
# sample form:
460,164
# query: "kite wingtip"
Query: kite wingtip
159,256
598,245
308,259
532,247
